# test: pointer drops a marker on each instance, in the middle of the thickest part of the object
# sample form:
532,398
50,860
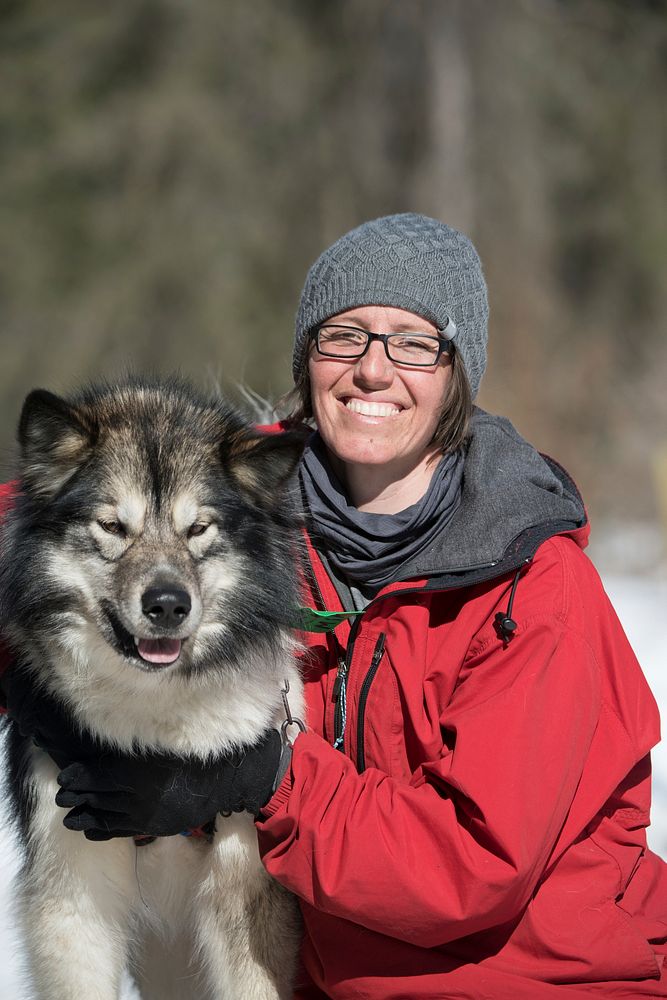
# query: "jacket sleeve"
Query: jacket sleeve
463,845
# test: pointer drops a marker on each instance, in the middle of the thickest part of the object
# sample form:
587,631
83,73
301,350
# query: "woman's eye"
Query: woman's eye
197,529
345,337
333,336
113,528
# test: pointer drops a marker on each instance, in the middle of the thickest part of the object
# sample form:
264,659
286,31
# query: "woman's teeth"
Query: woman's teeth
371,409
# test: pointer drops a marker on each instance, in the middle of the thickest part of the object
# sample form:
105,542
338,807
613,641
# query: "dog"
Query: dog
126,490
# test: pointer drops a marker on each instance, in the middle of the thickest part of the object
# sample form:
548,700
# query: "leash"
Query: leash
290,720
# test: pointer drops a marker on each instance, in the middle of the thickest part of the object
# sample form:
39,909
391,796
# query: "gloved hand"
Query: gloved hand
158,794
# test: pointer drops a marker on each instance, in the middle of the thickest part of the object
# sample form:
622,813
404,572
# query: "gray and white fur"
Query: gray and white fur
125,489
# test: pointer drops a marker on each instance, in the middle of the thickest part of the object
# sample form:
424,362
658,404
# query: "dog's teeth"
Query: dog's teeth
136,640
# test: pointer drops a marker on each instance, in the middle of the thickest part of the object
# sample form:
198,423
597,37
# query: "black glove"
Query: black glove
157,794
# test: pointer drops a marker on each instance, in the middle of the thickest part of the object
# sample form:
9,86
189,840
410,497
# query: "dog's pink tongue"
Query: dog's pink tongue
159,650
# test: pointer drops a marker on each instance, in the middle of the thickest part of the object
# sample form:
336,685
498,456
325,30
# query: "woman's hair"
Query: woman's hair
457,406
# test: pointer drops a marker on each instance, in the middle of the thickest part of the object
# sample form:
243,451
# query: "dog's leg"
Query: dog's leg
165,963
248,925
76,901
166,969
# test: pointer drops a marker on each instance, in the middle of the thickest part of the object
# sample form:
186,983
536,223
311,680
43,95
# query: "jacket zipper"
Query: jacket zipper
340,698
340,684
363,698
339,695
345,658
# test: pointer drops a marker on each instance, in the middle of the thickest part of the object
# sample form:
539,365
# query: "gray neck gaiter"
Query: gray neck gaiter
369,549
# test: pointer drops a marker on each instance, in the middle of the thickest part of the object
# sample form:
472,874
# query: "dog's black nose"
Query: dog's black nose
166,606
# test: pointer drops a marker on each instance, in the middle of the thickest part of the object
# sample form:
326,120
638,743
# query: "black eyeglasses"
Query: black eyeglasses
422,350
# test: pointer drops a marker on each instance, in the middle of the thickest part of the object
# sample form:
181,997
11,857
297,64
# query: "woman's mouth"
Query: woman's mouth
368,409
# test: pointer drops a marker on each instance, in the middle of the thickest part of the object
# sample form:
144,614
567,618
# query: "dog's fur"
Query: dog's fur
124,488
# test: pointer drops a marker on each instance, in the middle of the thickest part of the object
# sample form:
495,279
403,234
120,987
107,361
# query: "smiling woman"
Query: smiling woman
483,830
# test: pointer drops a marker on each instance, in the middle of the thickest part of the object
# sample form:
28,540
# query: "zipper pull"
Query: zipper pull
379,650
341,675
340,699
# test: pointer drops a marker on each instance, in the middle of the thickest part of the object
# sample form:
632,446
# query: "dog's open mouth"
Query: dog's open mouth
158,651
154,653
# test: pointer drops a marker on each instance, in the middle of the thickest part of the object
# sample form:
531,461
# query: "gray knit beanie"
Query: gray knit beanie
408,261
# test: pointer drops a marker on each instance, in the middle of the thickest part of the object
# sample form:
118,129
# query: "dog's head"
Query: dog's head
153,522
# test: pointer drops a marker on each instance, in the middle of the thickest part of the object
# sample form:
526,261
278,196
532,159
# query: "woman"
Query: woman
466,815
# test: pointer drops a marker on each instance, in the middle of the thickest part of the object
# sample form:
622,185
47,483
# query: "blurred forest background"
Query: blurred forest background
169,171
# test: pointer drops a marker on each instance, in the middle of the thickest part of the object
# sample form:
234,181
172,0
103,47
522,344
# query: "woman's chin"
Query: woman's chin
367,452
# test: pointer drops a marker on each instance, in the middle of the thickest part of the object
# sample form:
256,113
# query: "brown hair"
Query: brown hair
452,430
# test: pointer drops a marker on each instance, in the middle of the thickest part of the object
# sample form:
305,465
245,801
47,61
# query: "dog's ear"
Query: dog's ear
55,439
262,464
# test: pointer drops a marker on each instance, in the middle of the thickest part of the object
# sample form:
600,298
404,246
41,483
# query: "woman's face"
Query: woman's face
370,411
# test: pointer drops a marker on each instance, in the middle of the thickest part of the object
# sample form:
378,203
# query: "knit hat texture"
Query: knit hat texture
408,261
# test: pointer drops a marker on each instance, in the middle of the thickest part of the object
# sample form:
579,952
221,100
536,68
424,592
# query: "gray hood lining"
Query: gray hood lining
509,491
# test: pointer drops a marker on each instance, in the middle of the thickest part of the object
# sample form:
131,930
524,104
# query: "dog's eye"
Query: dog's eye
113,527
197,529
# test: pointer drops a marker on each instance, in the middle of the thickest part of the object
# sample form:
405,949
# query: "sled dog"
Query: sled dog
122,489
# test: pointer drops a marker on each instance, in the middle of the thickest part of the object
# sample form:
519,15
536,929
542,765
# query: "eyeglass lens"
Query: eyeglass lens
405,348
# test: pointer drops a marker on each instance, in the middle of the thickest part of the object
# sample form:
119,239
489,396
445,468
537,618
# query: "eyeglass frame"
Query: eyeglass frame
445,343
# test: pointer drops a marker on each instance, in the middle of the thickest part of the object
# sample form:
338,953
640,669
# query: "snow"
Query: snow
641,603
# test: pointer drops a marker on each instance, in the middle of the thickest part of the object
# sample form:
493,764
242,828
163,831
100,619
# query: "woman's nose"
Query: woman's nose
375,368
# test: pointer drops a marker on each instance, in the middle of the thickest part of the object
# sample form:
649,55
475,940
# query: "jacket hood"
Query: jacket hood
513,498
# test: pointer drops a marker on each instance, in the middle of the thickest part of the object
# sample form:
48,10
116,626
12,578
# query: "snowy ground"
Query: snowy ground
641,603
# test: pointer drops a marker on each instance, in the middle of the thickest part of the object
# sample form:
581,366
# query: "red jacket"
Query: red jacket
483,833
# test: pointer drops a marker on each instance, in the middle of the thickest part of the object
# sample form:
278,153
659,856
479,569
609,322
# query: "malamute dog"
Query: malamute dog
124,489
